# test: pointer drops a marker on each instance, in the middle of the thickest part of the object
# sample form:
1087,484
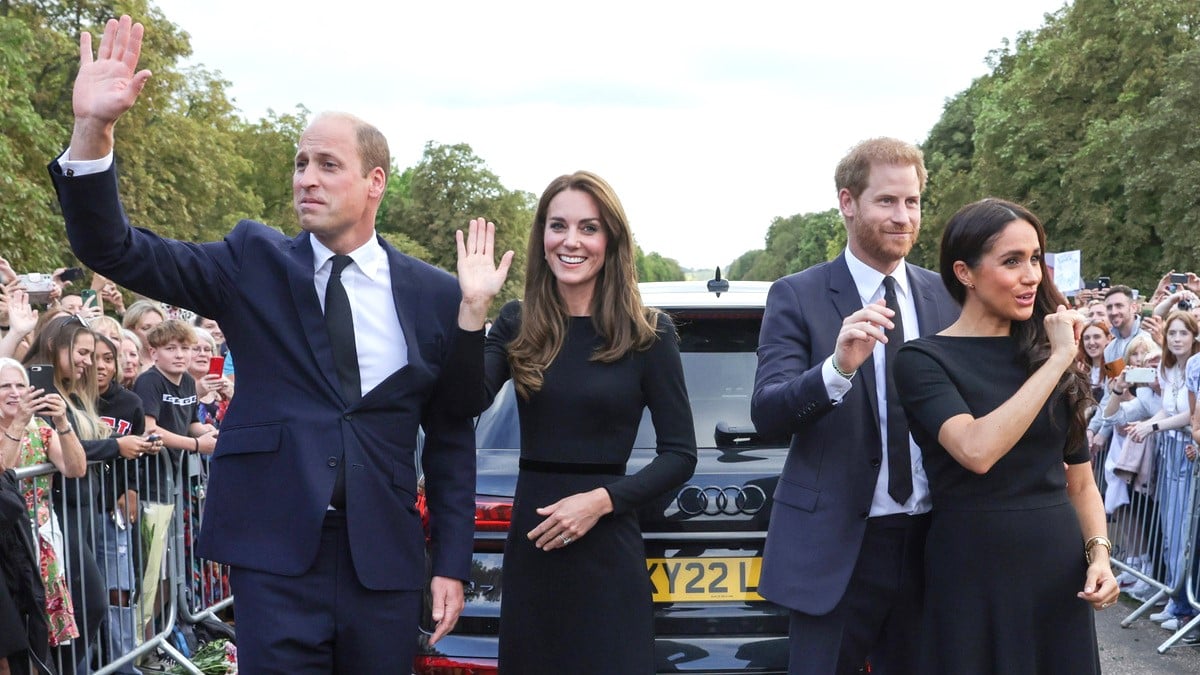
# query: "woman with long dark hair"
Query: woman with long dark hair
586,358
1017,547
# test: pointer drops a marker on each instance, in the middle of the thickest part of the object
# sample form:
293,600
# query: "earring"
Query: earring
971,286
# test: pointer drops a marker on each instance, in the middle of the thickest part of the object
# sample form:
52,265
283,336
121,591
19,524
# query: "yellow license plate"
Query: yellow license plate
704,579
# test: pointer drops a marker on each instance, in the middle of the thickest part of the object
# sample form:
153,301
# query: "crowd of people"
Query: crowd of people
1141,360
113,391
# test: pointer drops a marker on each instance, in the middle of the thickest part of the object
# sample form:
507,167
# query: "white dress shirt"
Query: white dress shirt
869,283
378,336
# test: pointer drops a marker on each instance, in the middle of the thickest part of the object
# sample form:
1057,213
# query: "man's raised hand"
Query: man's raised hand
106,86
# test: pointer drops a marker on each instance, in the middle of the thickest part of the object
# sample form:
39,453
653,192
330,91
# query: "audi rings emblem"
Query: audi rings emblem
713,500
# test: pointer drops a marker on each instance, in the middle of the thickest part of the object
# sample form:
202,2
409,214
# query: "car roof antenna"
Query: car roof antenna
717,284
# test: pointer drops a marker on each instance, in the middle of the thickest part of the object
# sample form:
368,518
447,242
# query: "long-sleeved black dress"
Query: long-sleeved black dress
586,607
1004,558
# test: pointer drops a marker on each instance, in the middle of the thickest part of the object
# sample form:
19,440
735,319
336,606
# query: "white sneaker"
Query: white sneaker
1173,624
1162,616
1141,591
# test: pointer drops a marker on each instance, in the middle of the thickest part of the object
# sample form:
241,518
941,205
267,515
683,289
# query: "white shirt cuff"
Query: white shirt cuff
83,167
835,385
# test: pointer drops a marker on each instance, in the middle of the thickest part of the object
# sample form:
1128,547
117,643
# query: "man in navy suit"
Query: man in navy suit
844,545
312,493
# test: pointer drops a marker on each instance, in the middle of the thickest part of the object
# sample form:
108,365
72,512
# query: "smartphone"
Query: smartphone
89,297
1139,375
1113,368
41,376
71,274
216,365
1103,282
1177,278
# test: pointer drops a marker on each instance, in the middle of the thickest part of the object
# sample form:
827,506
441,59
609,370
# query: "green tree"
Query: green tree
1087,121
654,267
741,266
30,229
269,148
449,187
792,244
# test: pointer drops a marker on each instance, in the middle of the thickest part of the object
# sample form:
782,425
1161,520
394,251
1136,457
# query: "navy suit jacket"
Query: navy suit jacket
824,494
288,427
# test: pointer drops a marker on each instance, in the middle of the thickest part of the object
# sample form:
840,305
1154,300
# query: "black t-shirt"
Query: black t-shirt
173,408
122,410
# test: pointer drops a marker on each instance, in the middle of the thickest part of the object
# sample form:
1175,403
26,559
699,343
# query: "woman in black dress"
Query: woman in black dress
585,358
1017,549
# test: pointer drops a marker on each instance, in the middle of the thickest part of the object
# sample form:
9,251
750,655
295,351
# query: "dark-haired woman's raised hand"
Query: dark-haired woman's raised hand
1064,327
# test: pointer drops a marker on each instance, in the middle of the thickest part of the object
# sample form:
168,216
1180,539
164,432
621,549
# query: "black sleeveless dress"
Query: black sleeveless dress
586,607
1004,559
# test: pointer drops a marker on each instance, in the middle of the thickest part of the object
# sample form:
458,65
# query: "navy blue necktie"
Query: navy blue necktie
339,321
899,461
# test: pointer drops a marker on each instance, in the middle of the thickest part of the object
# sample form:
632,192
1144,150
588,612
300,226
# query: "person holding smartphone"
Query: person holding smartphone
69,347
35,429
213,389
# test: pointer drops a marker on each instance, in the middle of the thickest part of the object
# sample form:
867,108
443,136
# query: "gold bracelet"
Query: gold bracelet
1091,543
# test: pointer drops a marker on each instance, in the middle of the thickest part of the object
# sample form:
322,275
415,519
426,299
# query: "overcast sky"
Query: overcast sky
709,119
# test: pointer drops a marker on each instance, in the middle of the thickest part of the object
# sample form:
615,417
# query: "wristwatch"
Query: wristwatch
1154,426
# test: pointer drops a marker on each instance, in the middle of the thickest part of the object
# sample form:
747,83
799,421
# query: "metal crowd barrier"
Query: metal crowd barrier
136,586
1155,532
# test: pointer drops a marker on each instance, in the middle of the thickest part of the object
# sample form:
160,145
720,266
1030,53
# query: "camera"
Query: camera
1103,282
1184,305
38,286
1177,278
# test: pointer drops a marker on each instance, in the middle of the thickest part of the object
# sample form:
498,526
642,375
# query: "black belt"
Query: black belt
897,520
572,467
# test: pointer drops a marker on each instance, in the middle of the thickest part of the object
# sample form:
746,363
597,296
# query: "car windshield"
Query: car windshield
717,348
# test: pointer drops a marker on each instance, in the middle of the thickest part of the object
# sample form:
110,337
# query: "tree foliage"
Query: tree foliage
792,244
1090,121
442,193
654,267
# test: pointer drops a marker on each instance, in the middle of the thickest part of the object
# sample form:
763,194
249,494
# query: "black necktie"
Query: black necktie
899,461
340,323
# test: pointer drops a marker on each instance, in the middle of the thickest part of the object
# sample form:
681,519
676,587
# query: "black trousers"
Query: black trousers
879,617
323,621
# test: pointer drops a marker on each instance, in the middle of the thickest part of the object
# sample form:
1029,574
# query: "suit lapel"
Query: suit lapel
308,308
406,295
925,304
845,298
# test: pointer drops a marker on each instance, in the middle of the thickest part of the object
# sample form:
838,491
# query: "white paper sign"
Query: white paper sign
1065,268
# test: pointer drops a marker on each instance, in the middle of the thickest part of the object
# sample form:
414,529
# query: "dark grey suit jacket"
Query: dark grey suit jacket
824,494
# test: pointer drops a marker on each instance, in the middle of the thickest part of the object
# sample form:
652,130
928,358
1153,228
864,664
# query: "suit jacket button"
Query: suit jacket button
864,515
347,417
332,461
875,462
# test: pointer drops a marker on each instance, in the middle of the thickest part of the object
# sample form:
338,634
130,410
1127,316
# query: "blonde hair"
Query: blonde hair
13,364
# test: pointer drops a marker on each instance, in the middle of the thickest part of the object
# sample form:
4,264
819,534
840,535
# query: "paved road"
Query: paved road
1134,650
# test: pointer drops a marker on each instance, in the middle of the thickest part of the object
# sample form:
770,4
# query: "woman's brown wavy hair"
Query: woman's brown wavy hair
618,314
